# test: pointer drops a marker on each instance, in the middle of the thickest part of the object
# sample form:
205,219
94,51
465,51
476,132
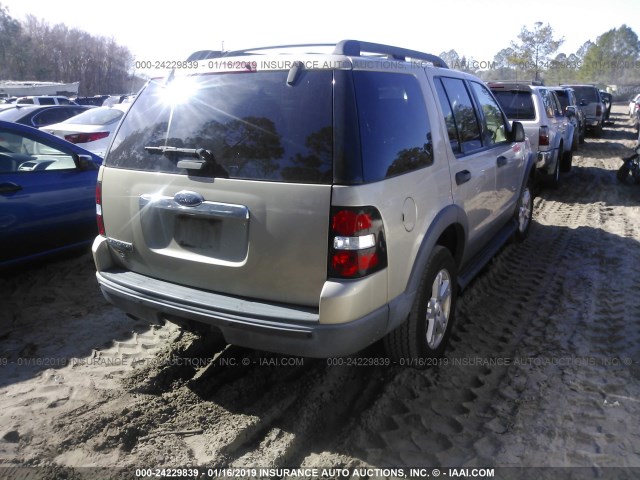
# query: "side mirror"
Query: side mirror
570,111
84,162
517,132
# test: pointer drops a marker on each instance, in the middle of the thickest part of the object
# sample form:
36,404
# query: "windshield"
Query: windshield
97,116
255,125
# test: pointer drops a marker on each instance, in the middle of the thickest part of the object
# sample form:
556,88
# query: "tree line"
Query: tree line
613,59
36,50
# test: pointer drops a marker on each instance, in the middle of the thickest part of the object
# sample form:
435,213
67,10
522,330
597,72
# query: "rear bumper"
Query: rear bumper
283,329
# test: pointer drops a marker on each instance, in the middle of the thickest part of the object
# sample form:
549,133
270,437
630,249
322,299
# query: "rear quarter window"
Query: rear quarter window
395,133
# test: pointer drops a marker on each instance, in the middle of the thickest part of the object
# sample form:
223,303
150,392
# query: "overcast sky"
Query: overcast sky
172,30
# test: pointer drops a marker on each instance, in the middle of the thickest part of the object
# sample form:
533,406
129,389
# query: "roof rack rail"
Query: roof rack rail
205,55
209,54
354,48
531,83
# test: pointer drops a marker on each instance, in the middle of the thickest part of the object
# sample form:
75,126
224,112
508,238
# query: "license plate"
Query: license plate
193,232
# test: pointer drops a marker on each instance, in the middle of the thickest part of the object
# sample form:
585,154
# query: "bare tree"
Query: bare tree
35,50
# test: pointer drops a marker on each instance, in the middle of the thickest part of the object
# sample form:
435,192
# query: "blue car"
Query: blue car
47,194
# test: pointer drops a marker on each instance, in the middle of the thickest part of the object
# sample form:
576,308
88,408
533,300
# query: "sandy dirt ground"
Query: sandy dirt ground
543,368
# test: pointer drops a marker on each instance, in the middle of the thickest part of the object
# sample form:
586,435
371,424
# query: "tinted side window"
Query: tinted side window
26,154
394,128
494,127
558,109
46,101
563,98
449,120
547,102
464,114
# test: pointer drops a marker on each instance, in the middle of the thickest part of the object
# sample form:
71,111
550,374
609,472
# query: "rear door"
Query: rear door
253,221
474,169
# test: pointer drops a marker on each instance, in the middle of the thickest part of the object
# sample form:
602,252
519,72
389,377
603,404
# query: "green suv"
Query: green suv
310,203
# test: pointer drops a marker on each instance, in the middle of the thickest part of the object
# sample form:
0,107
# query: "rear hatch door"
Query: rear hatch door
222,182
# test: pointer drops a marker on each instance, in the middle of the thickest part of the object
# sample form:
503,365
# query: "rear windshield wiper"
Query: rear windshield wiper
202,159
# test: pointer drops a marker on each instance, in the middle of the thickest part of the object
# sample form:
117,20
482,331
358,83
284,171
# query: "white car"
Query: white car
633,104
92,129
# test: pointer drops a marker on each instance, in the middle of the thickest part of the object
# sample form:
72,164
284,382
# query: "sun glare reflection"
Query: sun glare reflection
179,90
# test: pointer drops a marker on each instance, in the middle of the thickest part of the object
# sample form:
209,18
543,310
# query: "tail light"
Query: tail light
85,137
543,136
99,209
356,244
598,110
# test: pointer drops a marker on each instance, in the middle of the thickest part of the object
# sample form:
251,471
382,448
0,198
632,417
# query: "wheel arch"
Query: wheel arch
448,229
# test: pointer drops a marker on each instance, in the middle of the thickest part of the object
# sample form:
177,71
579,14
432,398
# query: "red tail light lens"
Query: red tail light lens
598,110
85,137
543,137
348,222
357,242
99,219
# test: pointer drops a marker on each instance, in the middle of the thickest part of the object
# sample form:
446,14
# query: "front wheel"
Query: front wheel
426,332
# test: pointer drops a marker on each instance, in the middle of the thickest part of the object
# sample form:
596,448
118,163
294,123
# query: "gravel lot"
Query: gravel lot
543,370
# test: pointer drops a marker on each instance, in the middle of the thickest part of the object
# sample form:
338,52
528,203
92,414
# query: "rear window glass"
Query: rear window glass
395,133
256,125
589,94
517,105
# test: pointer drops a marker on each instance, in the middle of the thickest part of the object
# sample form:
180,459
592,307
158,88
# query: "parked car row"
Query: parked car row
556,120
93,129
40,115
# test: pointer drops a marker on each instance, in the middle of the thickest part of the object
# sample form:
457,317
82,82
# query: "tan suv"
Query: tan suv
310,204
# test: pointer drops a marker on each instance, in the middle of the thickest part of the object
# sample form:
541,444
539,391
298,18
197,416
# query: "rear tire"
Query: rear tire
524,212
553,179
623,174
598,131
567,160
425,334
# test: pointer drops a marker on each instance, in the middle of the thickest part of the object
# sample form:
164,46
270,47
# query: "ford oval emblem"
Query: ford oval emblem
188,199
